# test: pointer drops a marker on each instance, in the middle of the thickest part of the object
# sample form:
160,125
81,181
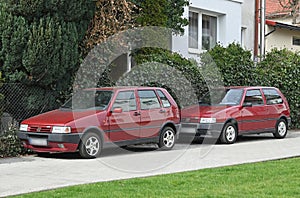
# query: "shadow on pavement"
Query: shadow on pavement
181,144
107,152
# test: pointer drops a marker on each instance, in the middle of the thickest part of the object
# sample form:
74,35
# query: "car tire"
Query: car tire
229,134
90,145
167,138
281,129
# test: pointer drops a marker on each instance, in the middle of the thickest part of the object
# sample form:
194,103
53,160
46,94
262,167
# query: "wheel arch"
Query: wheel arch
95,130
284,118
233,121
170,124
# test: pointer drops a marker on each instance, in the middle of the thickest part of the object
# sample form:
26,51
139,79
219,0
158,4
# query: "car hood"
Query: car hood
204,111
58,117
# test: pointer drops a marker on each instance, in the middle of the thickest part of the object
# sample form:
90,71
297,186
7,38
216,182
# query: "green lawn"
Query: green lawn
266,179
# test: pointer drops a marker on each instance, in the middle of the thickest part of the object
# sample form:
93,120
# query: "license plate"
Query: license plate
38,142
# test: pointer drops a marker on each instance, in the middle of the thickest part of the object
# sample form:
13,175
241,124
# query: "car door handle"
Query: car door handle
136,114
162,111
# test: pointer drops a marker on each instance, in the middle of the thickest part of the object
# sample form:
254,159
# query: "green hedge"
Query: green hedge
1,96
180,76
10,145
235,64
280,68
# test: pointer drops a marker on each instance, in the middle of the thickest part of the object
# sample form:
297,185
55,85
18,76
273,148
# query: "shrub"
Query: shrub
1,98
10,145
39,44
235,64
281,68
163,68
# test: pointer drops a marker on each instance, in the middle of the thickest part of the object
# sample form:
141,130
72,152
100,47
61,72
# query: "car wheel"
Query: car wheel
281,129
229,134
90,145
167,139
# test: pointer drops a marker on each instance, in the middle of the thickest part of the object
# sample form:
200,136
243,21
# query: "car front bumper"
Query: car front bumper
48,142
205,130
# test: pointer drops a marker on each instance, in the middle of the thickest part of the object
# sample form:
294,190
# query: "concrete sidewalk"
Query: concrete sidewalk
28,174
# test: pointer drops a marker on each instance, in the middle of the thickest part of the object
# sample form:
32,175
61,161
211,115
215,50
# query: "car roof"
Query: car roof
121,88
249,87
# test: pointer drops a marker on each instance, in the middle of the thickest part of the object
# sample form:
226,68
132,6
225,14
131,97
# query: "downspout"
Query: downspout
256,29
262,28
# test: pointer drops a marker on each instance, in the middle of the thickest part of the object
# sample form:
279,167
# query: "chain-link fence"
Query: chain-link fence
21,101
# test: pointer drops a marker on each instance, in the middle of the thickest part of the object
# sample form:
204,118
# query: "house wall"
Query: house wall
281,38
248,24
229,14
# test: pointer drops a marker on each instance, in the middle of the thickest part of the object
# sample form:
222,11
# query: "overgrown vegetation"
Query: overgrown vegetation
235,64
40,45
10,145
186,69
1,96
280,68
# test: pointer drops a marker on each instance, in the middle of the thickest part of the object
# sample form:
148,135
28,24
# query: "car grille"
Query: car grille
43,129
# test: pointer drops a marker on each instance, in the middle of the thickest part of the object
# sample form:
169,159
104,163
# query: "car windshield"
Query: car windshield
220,97
89,99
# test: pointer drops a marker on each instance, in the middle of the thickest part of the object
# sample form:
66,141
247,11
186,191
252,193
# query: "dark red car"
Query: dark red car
227,113
100,117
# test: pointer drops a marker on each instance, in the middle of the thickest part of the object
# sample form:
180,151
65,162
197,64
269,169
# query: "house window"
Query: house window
296,40
203,38
193,30
209,32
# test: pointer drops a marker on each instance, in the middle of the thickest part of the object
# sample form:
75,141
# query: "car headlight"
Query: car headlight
208,120
23,127
60,129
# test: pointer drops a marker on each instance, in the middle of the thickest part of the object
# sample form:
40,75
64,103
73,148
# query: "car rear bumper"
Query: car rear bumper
205,130
48,142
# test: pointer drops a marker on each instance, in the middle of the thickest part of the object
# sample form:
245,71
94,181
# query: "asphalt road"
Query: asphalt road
32,173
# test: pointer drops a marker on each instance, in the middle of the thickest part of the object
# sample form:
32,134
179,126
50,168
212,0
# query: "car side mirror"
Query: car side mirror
247,104
118,110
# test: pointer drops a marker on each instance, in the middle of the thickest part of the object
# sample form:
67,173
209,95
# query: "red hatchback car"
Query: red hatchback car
227,113
100,117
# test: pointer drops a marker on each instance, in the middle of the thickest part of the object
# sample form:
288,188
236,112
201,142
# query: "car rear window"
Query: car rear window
165,102
272,96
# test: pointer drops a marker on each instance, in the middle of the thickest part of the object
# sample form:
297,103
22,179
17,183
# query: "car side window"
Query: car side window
165,102
272,96
148,99
125,100
254,97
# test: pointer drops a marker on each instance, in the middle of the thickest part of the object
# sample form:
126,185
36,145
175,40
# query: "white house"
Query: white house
216,21
281,32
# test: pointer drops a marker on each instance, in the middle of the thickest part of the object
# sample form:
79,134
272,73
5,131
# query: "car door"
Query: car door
152,113
125,118
254,113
